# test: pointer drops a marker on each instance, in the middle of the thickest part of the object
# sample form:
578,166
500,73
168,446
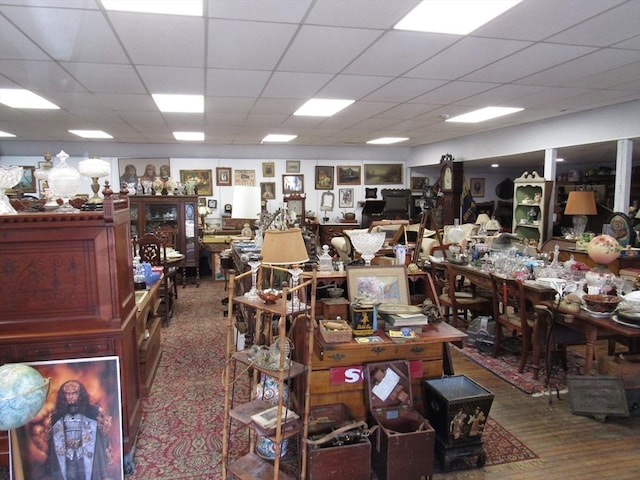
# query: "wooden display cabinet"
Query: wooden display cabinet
148,212
532,194
67,292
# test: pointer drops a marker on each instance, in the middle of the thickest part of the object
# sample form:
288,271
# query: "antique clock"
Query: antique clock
451,186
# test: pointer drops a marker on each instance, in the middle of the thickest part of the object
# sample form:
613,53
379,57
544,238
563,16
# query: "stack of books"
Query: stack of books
399,320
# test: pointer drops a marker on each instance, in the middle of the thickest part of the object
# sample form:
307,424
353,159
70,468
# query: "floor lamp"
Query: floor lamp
286,247
580,204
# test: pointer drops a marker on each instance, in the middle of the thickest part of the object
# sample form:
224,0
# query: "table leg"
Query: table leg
592,335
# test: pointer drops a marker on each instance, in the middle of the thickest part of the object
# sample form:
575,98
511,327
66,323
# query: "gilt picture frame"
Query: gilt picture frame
268,169
292,166
292,184
384,284
324,178
348,174
383,173
476,185
201,178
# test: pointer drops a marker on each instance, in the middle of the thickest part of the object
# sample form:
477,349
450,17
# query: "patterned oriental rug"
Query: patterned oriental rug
180,435
505,366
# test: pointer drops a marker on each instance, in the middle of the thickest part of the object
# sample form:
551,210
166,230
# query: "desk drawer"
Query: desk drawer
66,349
333,355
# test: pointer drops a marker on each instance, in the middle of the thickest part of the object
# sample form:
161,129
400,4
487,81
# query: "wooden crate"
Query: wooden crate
403,446
342,462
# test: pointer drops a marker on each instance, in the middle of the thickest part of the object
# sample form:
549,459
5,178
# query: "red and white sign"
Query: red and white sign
355,374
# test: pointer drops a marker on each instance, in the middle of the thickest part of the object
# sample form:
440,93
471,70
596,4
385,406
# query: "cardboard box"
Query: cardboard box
403,444
346,458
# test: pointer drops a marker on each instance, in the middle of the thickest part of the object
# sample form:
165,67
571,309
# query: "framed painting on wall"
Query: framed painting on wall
477,187
267,191
292,184
223,176
245,177
202,179
382,173
324,178
38,448
268,169
348,174
345,198
134,170
293,166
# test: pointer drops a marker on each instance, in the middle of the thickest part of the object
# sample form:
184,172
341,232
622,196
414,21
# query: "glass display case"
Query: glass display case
150,212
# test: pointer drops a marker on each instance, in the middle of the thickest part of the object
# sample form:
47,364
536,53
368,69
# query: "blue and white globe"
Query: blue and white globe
22,394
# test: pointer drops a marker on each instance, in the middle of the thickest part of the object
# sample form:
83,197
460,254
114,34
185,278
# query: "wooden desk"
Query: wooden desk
593,328
336,368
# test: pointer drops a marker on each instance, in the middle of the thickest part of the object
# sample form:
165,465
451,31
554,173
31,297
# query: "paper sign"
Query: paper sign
386,386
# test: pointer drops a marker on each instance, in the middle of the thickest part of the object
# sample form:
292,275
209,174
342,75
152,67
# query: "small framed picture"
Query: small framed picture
223,176
213,204
324,178
345,197
293,166
418,182
268,169
477,187
292,184
200,178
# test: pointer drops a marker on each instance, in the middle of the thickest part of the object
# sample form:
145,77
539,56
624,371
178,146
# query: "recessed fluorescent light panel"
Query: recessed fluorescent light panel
170,103
495,165
484,114
387,140
6,134
322,107
90,133
171,7
19,98
189,136
274,137
458,17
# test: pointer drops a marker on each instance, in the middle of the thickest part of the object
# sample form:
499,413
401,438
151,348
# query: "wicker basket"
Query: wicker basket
331,334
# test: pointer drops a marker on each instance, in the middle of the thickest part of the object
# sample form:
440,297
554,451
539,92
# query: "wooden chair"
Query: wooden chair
453,297
169,236
150,249
510,311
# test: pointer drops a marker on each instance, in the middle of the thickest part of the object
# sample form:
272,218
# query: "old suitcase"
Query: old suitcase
343,456
402,445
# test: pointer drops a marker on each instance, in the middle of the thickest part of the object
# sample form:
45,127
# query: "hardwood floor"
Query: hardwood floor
570,447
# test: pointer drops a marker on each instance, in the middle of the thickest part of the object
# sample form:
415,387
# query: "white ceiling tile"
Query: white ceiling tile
527,62
236,83
71,35
183,80
15,46
279,11
381,14
105,78
403,89
453,92
169,40
325,49
352,86
295,85
45,78
397,52
249,45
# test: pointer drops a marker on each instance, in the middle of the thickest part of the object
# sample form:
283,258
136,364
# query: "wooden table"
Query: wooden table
593,328
336,368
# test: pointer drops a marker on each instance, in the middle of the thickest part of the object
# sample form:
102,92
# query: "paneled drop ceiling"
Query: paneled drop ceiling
257,61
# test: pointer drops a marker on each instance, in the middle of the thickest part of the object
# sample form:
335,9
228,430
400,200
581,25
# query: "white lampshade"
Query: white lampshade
247,202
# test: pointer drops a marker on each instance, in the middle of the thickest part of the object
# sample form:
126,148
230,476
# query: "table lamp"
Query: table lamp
580,204
286,247
247,203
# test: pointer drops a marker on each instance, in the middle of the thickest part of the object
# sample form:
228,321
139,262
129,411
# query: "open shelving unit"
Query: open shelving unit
266,316
531,207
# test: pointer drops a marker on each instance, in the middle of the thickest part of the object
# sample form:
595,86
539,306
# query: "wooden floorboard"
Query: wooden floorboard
570,447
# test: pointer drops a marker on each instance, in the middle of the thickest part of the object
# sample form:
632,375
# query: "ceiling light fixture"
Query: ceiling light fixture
6,134
20,98
170,103
483,114
322,107
495,165
458,17
189,136
559,159
275,137
387,140
90,133
171,7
